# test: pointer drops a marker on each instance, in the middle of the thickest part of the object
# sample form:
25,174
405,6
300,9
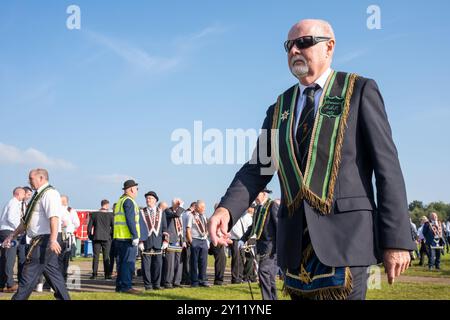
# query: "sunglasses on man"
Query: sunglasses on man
304,42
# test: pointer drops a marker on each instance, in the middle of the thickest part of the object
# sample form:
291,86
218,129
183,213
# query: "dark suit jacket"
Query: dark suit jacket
357,228
267,243
429,235
153,241
101,226
171,228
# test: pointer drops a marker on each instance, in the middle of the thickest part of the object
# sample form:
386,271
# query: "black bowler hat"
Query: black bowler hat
153,194
129,184
267,191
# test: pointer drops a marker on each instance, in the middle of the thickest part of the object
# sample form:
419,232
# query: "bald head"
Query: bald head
200,205
309,63
37,178
311,27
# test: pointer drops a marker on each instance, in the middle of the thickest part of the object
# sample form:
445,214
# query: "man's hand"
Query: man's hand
141,246
135,242
55,247
165,245
395,263
218,226
241,244
7,242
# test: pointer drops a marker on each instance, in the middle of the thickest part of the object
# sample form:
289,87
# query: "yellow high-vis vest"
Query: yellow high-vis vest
121,230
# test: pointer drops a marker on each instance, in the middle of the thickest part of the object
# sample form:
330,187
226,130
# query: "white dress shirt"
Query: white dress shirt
49,206
70,218
10,218
301,99
241,226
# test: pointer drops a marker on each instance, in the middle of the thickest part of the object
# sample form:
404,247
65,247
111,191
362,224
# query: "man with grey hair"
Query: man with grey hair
9,221
42,224
434,239
197,235
326,137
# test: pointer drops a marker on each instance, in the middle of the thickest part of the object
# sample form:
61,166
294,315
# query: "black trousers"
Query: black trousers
112,256
172,269
424,251
267,271
237,263
22,249
103,246
220,262
42,262
186,273
249,267
151,266
64,258
7,261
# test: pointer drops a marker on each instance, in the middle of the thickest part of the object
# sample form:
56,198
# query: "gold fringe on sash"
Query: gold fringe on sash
324,206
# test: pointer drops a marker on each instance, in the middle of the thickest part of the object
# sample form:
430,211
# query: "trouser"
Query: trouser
199,262
424,251
104,247
22,249
267,271
435,258
249,267
126,262
41,261
220,261
112,256
64,258
237,263
7,261
185,258
172,269
151,266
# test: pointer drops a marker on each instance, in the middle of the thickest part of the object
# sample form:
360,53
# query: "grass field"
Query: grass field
423,288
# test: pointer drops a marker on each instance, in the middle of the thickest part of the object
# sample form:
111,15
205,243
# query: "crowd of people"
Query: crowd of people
433,240
172,242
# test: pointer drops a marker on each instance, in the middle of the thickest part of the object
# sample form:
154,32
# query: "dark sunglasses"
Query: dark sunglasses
304,42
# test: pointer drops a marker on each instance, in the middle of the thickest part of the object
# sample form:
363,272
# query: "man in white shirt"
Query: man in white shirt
9,221
69,223
42,224
186,253
237,258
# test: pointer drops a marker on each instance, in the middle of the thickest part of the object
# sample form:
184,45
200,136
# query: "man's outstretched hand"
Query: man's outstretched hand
395,263
218,227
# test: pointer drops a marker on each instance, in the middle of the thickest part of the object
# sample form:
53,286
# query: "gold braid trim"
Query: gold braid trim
330,293
324,206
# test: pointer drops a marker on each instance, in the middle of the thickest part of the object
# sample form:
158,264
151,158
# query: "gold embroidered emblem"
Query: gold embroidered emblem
305,276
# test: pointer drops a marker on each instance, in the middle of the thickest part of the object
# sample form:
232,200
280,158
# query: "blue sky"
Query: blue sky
99,104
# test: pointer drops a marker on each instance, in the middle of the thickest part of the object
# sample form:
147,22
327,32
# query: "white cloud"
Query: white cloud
134,55
13,155
115,178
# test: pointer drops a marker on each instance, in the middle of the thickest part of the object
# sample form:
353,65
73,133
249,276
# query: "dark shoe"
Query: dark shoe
157,288
177,286
11,290
194,285
148,288
205,285
217,283
108,277
93,277
168,287
132,291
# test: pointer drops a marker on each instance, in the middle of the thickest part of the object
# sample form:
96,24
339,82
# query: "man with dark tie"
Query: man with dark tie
154,240
326,137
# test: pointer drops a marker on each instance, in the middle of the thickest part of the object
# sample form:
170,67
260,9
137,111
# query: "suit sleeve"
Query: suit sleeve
252,177
143,227
393,215
128,207
90,225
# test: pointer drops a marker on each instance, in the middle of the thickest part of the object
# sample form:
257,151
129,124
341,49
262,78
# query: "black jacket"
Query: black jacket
356,229
101,226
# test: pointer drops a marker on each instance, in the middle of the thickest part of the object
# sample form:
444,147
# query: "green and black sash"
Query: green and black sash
316,184
260,219
33,202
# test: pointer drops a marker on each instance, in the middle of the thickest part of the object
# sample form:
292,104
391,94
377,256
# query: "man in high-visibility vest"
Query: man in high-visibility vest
126,236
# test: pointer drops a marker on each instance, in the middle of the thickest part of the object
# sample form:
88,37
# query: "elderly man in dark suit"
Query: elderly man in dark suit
264,228
326,136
